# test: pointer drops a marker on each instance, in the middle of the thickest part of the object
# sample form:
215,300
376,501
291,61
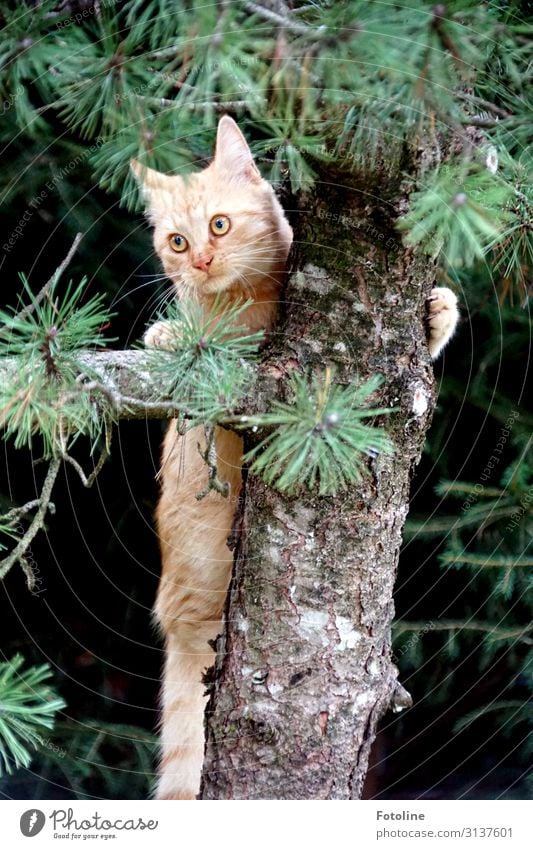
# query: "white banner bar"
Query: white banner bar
269,825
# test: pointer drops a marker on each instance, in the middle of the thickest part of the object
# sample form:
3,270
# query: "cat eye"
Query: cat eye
220,225
178,243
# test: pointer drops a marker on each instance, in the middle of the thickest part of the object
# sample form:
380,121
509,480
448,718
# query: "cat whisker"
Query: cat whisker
264,274
131,291
161,302
260,238
158,298
259,253
163,279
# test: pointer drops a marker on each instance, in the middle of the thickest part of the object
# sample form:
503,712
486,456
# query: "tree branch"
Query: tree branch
210,458
494,631
122,376
44,504
282,21
19,552
88,480
125,379
53,279
484,104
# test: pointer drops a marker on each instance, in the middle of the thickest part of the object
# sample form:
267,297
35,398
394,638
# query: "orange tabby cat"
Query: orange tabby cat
221,230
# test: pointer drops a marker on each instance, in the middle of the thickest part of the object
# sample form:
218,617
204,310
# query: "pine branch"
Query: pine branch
18,512
31,307
209,455
495,632
88,480
27,706
283,21
521,712
487,561
319,439
458,214
484,104
45,394
18,553
473,518
44,505
125,379
225,106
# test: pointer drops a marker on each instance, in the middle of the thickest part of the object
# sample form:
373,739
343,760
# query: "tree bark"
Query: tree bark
304,669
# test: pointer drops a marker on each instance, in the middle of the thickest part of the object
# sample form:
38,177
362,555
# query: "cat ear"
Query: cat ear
151,182
232,154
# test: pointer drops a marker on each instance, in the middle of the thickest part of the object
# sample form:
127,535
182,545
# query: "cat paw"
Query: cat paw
160,335
442,318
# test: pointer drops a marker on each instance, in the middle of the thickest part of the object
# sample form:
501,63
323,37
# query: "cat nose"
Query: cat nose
202,262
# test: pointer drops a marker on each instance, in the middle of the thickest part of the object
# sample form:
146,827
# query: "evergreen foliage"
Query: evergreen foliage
117,757
28,706
319,436
206,369
46,396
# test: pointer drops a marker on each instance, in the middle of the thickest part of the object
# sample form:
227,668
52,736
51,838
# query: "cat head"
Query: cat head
220,228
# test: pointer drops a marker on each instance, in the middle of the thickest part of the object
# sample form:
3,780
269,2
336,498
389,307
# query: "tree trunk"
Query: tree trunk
304,670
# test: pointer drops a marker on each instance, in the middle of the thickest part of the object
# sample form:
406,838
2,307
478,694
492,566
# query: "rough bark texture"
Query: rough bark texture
304,670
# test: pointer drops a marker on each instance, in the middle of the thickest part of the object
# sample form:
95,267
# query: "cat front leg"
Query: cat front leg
442,318
162,334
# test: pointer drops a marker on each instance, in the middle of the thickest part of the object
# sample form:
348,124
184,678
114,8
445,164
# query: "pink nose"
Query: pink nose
202,262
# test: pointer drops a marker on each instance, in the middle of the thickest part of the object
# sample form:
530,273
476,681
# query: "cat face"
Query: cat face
221,228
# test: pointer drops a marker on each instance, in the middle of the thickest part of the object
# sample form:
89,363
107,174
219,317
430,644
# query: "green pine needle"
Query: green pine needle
45,397
28,706
88,751
513,712
208,369
319,439
9,529
458,215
